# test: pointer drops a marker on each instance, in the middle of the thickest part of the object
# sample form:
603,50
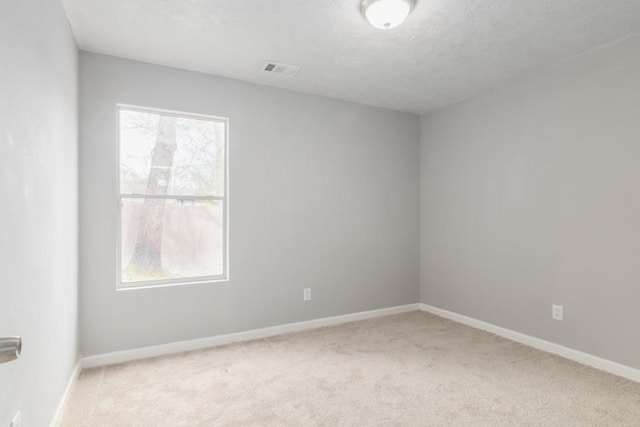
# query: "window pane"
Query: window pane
171,239
168,155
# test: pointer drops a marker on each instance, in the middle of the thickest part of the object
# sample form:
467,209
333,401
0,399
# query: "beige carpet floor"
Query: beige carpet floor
411,369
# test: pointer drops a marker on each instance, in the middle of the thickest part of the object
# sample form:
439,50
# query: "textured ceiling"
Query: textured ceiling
446,51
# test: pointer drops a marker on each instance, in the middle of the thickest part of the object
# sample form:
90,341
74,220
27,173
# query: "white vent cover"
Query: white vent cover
277,68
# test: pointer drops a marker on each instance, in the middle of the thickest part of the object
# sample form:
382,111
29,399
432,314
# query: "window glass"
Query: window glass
173,206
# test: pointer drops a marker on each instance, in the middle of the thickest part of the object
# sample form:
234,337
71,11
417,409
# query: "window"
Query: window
173,198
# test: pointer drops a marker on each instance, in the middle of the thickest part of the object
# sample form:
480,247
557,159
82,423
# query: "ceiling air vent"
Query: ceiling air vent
277,68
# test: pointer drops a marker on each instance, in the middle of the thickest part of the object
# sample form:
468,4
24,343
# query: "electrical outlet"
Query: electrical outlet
307,294
16,421
557,312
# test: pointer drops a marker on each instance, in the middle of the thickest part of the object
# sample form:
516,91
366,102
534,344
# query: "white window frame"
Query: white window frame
145,284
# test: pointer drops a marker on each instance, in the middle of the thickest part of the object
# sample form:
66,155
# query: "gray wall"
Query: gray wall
530,195
38,187
323,194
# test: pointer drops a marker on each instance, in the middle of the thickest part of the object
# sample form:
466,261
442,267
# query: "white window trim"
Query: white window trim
147,284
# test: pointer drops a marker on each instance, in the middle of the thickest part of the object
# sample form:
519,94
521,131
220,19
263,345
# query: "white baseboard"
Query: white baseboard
57,416
182,346
566,352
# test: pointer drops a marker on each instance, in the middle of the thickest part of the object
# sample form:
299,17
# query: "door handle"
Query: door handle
10,348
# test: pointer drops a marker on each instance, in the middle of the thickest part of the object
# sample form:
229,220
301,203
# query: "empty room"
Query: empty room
320,213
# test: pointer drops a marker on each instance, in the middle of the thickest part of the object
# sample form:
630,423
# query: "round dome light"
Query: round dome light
386,14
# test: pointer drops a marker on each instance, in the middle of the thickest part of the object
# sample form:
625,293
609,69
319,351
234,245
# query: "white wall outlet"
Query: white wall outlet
307,294
16,421
557,312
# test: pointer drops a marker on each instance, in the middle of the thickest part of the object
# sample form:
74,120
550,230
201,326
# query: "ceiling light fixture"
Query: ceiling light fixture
386,14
